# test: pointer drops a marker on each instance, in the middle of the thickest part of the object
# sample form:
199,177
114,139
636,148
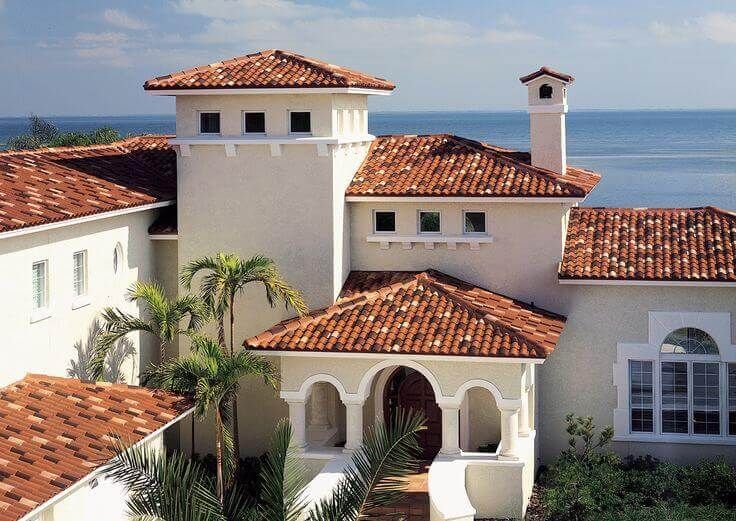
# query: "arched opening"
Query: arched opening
689,341
480,421
545,91
325,416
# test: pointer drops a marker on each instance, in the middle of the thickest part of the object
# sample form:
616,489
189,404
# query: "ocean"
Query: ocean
647,158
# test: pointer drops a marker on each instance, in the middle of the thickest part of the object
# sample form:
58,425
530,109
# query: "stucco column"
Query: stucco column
509,446
318,417
450,429
353,424
524,411
298,420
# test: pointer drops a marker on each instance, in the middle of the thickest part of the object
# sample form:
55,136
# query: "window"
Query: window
706,403
732,399
254,122
674,397
300,122
545,91
641,391
691,341
40,285
117,258
475,222
384,221
429,222
209,122
80,273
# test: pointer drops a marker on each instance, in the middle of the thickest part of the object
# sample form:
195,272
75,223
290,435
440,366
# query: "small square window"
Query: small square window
384,221
429,222
475,222
254,123
300,122
209,122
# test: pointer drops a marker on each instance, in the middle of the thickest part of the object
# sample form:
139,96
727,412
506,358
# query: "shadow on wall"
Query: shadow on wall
123,350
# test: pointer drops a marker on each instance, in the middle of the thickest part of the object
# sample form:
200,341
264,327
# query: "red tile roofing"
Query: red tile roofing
546,71
55,431
425,313
650,244
270,69
54,184
447,165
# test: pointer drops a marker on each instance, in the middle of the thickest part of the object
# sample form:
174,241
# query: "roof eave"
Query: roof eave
267,90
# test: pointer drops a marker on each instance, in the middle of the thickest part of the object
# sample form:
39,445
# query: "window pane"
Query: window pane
641,393
732,399
674,397
706,401
80,282
475,222
209,122
301,122
39,285
689,340
429,222
385,222
255,122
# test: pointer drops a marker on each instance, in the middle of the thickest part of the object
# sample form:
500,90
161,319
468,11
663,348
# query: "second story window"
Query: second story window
80,273
209,122
384,221
300,122
40,285
429,222
254,122
474,223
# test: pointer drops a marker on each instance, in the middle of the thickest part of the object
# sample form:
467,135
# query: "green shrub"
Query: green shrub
43,133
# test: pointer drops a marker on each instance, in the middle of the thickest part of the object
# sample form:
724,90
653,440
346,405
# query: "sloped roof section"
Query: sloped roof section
444,165
55,431
418,313
55,184
270,69
547,71
650,244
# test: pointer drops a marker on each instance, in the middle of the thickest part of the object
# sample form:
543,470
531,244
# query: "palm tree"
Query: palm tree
227,275
213,379
164,321
172,487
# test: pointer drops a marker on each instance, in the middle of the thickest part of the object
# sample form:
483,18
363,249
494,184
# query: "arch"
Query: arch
118,259
383,377
545,91
306,386
485,384
689,341
365,383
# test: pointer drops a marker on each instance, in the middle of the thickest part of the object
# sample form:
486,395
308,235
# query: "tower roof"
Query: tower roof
546,71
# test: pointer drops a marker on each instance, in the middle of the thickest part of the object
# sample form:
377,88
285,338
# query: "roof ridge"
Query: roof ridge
730,213
97,146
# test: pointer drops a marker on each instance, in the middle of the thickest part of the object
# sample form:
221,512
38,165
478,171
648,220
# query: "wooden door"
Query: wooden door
415,392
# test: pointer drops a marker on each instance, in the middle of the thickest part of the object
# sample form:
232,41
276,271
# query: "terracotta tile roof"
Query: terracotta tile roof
270,69
54,184
546,71
447,165
418,313
653,244
165,223
55,431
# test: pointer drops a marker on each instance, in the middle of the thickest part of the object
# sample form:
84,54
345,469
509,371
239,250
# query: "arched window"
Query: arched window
117,259
689,341
545,91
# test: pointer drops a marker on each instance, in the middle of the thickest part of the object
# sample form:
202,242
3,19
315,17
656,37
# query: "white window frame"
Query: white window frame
718,326
199,122
43,311
375,230
288,122
419,222
265,122
81,299
485,221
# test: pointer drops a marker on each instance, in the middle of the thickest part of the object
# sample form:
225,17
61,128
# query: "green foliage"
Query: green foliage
43,133
582,442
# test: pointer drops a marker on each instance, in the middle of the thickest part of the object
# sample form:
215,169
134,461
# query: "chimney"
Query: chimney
547,109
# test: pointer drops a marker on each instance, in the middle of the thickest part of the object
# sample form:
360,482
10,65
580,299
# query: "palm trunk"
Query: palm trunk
191,455
236,427
218,450
162,351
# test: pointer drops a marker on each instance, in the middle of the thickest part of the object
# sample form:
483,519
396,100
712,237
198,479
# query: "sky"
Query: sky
84,57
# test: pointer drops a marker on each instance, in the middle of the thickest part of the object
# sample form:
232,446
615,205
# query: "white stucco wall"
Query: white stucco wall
46,346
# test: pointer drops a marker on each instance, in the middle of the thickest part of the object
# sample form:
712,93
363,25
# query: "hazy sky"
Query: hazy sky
91,57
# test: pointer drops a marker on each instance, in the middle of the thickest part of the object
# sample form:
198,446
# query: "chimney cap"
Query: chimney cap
547,71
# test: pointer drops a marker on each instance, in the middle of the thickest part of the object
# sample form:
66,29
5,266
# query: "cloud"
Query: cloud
717,27
121,19
358,5
109,38
106,48
248,9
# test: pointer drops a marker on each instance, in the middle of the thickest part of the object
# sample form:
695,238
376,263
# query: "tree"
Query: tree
226,276
213,379
164,318
174,488
43,133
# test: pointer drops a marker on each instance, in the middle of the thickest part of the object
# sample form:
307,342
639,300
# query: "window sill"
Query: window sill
408,241
81,302
40,314
673,438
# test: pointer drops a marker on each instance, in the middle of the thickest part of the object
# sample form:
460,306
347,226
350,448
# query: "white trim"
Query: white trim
419,222
399,357
265,122
692,439
86,218
294,139
383,234
452,199
199,122
620,282
306,388
292,90
484,233
81,301
364,388
98,471
545,75
288,122
163,236
430,239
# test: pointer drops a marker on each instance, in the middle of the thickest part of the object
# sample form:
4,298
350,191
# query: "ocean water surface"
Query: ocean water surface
647,158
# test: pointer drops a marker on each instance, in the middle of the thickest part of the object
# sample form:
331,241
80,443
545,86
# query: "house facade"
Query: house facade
443,274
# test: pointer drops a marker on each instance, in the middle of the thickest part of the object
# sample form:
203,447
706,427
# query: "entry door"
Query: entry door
415,392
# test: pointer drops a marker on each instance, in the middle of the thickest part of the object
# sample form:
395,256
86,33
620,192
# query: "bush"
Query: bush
43,133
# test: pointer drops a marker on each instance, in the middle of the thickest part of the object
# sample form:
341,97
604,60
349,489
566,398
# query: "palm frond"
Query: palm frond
117,324
190,269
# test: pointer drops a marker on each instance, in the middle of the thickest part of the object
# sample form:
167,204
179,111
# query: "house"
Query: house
443,274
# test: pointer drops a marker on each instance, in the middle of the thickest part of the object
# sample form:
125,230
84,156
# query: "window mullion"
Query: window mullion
690,395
